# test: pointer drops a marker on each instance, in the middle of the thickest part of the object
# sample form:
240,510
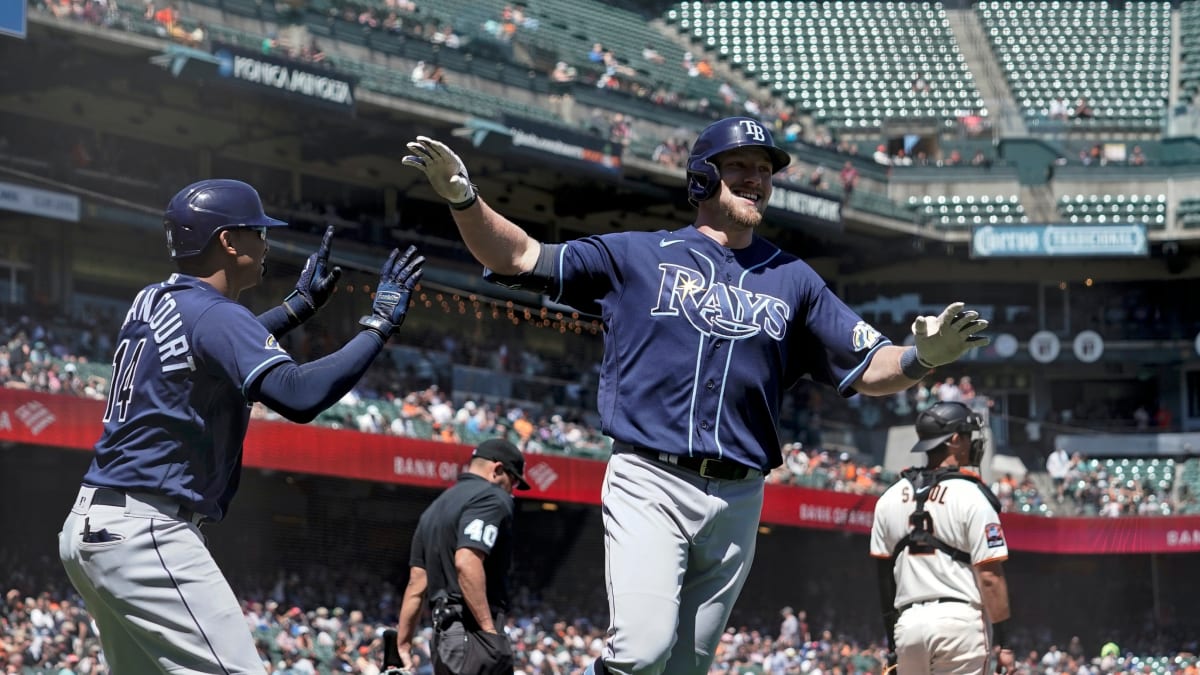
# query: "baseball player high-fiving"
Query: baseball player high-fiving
705,327
189,363
941,549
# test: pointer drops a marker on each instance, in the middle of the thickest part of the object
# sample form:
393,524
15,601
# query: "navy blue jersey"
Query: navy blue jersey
701,340
177,406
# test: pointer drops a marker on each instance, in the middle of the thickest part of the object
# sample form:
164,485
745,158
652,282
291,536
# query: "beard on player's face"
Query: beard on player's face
739,212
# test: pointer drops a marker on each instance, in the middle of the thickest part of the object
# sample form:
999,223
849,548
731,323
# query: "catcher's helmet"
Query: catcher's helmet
732,132
202,209
941,421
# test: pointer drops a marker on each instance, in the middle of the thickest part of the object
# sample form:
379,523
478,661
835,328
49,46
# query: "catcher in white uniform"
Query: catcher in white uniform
941,552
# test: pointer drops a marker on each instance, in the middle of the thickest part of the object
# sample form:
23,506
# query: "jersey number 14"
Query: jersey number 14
120,390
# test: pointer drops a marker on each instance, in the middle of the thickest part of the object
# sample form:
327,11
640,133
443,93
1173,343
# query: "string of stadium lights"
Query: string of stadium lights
452,301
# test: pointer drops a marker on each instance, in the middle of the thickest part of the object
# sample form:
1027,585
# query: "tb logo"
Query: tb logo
753,130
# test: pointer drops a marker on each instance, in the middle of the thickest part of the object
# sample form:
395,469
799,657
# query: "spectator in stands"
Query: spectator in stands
438,78
882,156
728,95
597,53
1141,418
954,159
561,79
1083,110
981,160
1058,109
849,178
420,76
1058,463
966,390
1162,418
1136,158
651,54
948,391
921,159
446,36
816,179
689,65
920,84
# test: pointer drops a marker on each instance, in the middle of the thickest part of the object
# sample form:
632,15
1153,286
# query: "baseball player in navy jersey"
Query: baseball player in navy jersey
941,553
705,327
189,363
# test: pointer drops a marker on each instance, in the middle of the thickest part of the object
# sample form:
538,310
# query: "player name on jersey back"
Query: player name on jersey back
155,307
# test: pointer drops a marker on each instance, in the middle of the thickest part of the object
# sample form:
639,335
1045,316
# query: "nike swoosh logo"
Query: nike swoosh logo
667,242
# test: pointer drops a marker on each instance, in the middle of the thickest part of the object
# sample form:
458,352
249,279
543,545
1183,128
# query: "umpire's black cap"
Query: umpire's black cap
941,421
500,450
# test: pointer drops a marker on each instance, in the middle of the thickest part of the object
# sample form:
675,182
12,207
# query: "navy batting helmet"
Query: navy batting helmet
732,132
202,209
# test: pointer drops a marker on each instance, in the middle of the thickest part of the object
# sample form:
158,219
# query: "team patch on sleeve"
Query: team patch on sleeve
272,343
994,534
864,336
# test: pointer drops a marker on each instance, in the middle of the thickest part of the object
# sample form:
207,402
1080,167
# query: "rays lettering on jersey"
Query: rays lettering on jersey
718,309
161,314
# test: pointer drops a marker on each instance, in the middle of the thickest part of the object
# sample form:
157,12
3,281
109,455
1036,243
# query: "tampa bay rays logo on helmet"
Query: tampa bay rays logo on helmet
719,309
704,178
753,130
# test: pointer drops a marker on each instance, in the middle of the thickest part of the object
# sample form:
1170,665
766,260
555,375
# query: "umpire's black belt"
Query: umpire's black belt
718,469
110,497
932,601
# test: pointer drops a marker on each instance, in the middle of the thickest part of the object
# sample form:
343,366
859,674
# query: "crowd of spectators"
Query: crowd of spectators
322,621
416,400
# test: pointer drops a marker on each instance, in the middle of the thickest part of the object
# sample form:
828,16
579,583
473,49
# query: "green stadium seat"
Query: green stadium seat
828,58
1116,56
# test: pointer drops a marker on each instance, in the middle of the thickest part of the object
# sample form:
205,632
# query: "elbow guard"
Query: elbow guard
539,280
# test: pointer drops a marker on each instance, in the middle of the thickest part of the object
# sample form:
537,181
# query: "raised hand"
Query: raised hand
444,170
316,284
399,275
945,338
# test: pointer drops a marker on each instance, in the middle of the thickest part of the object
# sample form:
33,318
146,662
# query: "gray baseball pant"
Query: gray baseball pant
678,549
160,603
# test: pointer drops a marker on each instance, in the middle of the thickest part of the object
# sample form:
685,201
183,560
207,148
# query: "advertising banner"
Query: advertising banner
296,80
67,422
1067,240
547,143
792,203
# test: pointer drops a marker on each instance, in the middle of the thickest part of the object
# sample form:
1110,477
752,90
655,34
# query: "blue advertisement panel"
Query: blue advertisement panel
12,17
1064,240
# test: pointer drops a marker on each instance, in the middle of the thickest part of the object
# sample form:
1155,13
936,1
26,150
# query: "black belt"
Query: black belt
110,497
719,469
933,601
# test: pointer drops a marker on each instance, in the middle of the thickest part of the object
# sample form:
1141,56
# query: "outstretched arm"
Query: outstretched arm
300,393
939,340
497,242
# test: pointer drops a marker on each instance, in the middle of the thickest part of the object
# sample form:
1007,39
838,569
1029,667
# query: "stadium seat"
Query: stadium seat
1090,208
852,65
957,211
1116,56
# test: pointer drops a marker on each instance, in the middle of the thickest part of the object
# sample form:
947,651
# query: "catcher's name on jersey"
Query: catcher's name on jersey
962,518
155,307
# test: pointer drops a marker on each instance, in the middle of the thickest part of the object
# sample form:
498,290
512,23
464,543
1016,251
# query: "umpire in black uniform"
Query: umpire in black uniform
460,557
